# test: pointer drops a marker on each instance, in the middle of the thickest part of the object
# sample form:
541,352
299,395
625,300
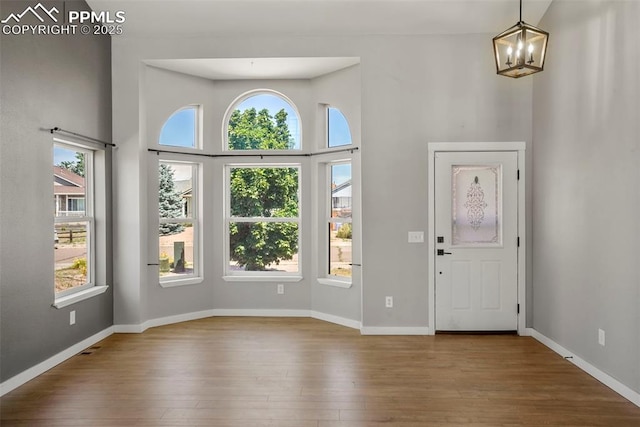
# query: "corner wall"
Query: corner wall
46,81
586,156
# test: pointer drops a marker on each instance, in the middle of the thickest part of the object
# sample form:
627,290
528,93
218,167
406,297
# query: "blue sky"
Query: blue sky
62,154
340,173
179,130
339,133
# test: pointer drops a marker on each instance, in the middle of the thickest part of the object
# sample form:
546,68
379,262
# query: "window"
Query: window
181,129
263,220
76,204
74,219
339,221
263,121
262,204
178,220
338,132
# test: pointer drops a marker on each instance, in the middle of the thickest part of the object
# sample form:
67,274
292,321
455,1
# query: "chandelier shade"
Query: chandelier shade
520,50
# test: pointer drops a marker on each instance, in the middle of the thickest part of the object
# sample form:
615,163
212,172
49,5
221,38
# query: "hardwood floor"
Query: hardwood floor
303,372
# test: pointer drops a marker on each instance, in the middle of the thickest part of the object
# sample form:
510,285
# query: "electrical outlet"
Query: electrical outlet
280,289
601,337
388,302
416,236
72,317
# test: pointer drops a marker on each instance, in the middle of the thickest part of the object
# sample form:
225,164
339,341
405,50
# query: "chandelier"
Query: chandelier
520,50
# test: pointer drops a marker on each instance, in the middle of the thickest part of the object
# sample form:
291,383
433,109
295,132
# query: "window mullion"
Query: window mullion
70,219
263,219
174,220
339,220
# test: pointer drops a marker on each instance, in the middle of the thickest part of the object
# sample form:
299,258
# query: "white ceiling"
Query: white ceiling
263,18
319,17
255,68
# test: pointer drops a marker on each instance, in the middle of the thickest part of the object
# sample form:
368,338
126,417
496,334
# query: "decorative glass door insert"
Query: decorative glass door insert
476,205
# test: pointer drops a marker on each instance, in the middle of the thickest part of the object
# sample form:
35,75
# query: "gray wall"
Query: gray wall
586,265
46,81
410,95
340,89
164,92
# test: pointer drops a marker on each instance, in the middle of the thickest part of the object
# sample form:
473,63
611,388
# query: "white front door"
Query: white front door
476,232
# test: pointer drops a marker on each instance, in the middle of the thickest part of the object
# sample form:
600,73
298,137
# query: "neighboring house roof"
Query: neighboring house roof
70,178
63,189
342,190
182,186
67,182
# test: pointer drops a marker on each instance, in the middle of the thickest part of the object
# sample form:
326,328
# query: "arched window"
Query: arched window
263,121
338,132
181,128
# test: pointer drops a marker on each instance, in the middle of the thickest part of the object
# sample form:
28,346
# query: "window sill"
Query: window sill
334,282
182,282
262,278
79,296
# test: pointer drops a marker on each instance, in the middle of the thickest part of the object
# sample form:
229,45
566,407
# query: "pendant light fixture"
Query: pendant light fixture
520,50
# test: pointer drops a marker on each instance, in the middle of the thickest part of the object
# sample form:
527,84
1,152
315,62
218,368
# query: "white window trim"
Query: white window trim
196,222
332,281
95,169
191,280
67,300
259,276
326,278
88,217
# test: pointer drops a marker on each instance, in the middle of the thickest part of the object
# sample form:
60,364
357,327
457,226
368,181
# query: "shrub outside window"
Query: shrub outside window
74,219
178,218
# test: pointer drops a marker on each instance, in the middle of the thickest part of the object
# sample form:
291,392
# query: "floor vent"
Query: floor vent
90,350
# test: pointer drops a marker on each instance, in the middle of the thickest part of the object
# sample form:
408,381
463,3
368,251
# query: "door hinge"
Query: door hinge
518,174
518,309
518,241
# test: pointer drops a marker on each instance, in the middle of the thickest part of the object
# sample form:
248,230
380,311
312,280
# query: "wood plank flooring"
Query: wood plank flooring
295,372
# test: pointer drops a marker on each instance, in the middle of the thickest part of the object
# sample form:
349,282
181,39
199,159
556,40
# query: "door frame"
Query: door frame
517,146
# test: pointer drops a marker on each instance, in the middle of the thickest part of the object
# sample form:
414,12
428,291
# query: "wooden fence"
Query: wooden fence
71,235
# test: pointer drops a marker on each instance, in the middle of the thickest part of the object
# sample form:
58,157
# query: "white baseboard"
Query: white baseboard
169,320
601,376
128,329
259,312
42,367
161,321
394,330
342,321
